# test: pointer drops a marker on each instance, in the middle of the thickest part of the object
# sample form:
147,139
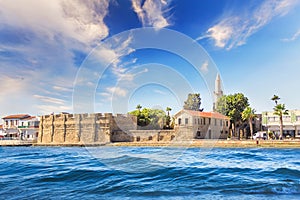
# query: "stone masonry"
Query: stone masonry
96,128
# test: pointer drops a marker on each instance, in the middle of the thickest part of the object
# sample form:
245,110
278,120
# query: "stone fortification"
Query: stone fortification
83,128
98,128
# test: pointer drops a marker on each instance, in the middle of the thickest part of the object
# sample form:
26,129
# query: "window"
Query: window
6,122
226,123
204,121
298,132
186,120
150,138
179,121
201,121
172,137
215,122
198,121
273,119
209,121
138,138
286,118
195,121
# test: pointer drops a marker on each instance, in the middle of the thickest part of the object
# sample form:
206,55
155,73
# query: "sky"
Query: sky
110,55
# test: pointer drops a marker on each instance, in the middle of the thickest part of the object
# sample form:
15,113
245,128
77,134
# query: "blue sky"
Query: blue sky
45,44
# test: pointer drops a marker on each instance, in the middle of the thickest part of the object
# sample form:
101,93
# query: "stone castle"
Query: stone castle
97,128
83,128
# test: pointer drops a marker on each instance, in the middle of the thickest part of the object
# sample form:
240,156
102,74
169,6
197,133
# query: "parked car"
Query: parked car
260,135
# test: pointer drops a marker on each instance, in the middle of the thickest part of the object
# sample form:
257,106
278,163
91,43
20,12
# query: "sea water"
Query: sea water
148,172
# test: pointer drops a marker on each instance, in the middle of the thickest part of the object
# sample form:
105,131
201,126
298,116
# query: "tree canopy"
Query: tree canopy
232,106
149,118
193,102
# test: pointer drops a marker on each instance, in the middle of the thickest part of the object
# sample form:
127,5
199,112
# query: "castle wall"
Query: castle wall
82,128
144,136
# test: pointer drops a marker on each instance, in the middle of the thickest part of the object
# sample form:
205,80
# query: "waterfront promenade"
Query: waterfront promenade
218,144
189,144
16,143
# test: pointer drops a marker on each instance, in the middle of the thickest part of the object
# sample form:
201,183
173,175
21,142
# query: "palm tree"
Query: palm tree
168,118
279,110
168,109
275,98
249,114
139,107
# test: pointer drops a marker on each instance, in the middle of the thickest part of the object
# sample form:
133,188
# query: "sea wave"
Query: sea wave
146,173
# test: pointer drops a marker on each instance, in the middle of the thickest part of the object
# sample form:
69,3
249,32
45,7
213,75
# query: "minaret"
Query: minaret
218,91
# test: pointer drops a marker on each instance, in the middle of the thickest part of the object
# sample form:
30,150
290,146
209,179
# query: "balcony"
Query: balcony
23,126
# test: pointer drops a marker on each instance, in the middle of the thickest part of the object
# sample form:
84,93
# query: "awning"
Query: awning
11,131
3,134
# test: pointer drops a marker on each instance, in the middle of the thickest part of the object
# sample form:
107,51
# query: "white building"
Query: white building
2,133
291,123
21,126
200,125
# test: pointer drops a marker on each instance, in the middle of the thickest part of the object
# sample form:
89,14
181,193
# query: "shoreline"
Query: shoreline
186,144
215,144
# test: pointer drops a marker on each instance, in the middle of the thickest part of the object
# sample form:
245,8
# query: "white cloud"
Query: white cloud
76,19
159,92
62,89
49,32
293,38
117,91
152,12
234,30
15,94
204,67
48,109
50,99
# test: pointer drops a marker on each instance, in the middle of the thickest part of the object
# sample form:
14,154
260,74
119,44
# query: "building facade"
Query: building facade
21,126
291,123
202,125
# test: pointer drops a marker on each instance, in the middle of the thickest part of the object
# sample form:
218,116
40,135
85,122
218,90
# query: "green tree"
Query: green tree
232,106
149,118
249,114
279,110
168,118
193,102
168,109
139,107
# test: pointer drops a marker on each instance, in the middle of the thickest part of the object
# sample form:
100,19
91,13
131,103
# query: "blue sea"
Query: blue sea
148,173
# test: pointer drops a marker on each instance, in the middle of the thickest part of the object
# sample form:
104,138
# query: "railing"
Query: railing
23,126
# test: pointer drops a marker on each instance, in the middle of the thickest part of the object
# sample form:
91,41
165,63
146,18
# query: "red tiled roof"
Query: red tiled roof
206,114
30,117
18,116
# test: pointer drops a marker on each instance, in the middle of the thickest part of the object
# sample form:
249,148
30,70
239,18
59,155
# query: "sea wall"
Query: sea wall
83,128
144,136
